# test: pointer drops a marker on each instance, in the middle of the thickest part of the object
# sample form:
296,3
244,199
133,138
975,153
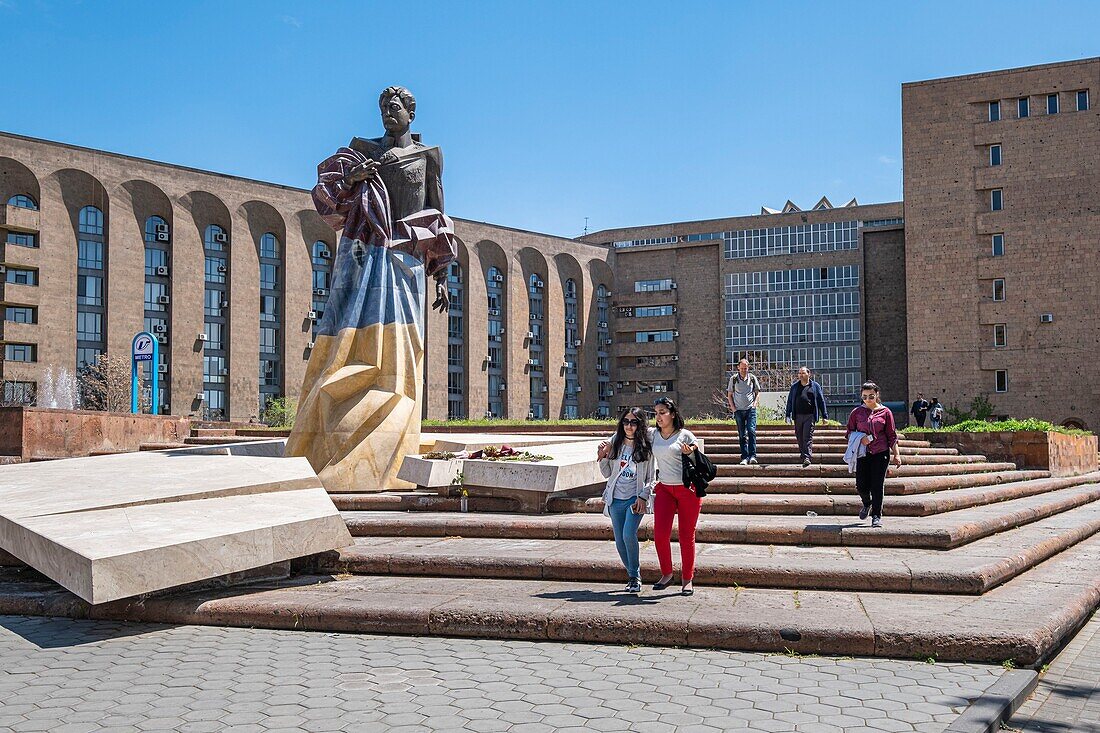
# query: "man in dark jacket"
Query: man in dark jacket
805,406
920,409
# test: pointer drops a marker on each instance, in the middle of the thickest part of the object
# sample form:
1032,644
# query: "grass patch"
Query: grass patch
1010,426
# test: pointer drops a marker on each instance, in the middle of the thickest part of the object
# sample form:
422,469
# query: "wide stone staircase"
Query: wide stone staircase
976,560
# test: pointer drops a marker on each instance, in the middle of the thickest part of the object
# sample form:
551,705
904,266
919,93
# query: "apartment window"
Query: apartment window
1052,104
1000,337
155,258
23,201
17,276
649,336
19,352
20,314
999,289
653,286
1002,380
1023,107
269,306
996,200
998,245
22,239
653,311
90,254
91,221
269,276
89,326
268,340
87,355
153,294
215,335
19,393
994,154
1082,100
994,111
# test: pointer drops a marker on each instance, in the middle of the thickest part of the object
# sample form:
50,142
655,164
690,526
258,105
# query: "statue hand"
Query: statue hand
362,172
442,297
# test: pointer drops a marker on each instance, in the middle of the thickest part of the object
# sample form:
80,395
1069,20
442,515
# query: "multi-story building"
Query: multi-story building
784,288
232,275
980,285
1002,174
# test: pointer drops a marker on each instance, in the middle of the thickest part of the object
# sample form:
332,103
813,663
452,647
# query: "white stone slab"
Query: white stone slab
111,527
455,442
429,473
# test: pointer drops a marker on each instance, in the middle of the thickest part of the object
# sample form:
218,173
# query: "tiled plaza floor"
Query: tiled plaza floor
1068,696
70,676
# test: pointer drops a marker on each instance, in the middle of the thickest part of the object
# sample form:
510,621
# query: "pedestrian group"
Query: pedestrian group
660,470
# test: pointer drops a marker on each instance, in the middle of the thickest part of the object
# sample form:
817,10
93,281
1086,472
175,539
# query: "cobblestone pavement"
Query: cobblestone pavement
69,676
1068,695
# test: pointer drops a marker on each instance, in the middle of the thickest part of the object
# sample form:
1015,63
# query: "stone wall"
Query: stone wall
47,433
1062,455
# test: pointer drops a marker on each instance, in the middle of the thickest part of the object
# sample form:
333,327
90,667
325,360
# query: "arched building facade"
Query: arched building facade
232,276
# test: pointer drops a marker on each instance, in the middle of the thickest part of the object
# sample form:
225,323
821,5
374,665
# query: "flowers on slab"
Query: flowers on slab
489,453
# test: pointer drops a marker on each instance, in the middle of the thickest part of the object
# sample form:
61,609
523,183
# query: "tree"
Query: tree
279,412
105,385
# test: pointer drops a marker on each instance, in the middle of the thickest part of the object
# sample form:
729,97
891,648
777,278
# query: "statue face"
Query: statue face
395,118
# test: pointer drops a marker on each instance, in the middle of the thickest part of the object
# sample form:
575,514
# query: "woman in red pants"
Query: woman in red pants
672,499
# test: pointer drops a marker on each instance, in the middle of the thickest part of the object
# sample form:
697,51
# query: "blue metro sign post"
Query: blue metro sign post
145,347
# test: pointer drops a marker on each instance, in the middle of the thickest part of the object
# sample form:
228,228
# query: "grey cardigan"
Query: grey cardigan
647,479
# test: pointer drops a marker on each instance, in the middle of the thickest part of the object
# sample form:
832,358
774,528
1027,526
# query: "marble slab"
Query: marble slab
112,527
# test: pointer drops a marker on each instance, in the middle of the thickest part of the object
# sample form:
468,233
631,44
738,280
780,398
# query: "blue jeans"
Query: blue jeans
746,431
624,523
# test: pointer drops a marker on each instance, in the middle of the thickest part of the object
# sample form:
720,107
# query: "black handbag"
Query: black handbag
698,471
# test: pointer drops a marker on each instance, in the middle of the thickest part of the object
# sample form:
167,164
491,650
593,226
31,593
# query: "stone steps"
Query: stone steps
837,459
918,505
841,470
725,445
222,439
940,531
894,485
1022,620
413,501
972,569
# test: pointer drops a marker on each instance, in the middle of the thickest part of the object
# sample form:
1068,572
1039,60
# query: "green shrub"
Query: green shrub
279,412
1010,426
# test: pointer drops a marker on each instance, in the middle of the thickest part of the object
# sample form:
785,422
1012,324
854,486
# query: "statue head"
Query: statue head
398,107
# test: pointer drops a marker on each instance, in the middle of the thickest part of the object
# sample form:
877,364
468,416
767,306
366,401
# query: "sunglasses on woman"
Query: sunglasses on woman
868,397
633,422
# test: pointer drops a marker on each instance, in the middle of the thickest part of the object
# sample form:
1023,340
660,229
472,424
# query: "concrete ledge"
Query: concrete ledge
997,703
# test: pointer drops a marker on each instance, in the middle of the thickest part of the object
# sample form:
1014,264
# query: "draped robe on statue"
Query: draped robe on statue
359,414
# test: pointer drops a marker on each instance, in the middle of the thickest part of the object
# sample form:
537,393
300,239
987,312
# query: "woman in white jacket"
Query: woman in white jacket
627,462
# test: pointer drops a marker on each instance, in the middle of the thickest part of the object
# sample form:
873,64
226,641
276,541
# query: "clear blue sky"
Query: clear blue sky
547,112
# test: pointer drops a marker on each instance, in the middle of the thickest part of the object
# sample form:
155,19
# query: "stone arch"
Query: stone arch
489,255
16,178
261,217
143,200
205,209
76,189
1075,423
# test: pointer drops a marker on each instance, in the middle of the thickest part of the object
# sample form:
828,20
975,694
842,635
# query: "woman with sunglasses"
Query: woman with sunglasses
627,462
880,438
671,441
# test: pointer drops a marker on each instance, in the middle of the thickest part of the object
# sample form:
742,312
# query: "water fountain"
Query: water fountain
58,390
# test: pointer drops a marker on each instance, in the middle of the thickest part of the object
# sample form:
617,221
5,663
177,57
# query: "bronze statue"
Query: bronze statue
360,409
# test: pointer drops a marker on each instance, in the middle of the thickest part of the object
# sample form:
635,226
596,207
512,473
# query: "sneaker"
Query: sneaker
744,462
864,512
876,521
634,586
805,462
753,461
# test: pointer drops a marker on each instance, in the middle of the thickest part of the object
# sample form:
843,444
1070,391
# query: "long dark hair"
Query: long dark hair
677,420
642,447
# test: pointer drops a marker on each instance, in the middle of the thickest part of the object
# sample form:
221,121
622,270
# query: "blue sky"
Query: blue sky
547,112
